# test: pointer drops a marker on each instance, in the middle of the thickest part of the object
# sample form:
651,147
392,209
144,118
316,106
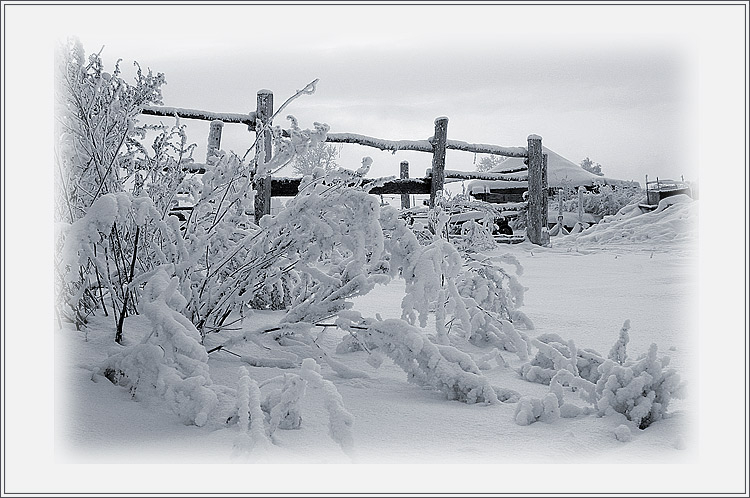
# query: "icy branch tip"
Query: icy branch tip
264,91
217,122
441,118
534,137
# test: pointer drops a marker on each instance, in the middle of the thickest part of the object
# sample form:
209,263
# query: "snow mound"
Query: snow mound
675,220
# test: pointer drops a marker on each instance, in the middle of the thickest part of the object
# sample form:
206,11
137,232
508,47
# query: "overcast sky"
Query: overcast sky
615,84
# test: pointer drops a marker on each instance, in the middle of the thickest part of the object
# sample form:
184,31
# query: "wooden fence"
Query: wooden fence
431,184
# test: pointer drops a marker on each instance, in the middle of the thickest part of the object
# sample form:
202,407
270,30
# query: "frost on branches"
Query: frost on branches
444,368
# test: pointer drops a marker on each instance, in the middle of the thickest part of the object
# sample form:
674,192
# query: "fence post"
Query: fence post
405,204
537,218
438,158
580,204
263,184
545,196
214,138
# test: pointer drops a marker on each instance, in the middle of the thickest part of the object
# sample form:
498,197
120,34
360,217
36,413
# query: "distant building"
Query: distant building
561,172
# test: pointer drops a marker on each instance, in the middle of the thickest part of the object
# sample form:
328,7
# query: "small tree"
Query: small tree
486,163
592,167
322,155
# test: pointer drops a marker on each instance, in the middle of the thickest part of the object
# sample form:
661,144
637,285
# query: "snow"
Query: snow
583,297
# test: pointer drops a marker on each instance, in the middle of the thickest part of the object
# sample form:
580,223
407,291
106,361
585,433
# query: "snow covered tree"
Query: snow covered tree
592,167
322,155
486,163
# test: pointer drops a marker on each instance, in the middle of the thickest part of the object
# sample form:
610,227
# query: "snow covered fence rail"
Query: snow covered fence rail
436,145
475,175
226,117
289,187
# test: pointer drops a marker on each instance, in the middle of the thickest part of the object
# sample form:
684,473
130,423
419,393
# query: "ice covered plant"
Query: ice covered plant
95,112
99,252
619,353
555,354
281,406
470,296
641,391
603,200
474,237
492,295
323,248
530,410
250,415
340,421
444,368
169,362
99,153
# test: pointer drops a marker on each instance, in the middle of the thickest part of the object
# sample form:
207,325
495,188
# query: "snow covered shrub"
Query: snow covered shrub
283,404
492,296
99,251
444,368
641,391
99,153
477,298
169,362
250,416
554,354
474,237
619,353
95,112
530,410
603,200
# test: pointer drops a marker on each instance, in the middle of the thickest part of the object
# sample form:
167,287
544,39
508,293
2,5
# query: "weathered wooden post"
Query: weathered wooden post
405,204
545,197
580,204
438,158
537,217
214,138
263,153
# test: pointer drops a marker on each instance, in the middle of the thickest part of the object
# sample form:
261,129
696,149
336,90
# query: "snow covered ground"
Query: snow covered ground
639,268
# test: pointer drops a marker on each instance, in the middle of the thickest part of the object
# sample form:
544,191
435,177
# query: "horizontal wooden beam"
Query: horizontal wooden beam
227,117
379,143
289,187
404,186
512,170
486,149
477,175
353,138
424,145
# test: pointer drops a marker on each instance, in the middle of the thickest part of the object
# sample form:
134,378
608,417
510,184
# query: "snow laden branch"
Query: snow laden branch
444,368
259,416
169,362
641,389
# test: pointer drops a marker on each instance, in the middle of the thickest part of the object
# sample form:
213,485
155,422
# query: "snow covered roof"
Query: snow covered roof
560,171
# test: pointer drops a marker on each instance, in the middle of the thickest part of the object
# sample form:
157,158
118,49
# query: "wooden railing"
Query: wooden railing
432,183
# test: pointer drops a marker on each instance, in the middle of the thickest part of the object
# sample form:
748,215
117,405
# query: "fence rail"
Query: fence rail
432,184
